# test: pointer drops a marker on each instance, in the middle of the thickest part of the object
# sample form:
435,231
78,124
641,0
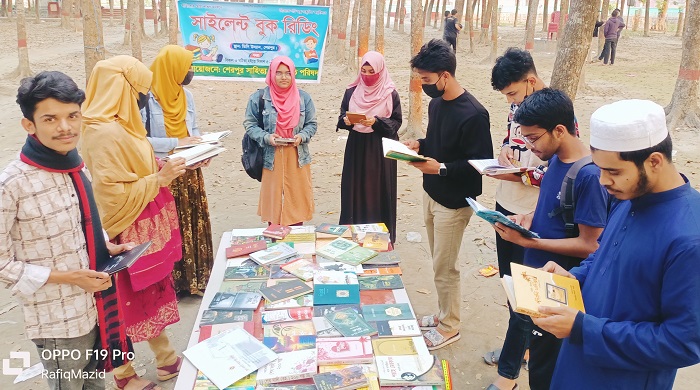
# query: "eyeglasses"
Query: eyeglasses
531,142
283,74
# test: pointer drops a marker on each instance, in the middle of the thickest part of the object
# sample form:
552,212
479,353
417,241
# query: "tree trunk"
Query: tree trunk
622,7
402,14
485,21
36,12
556,5
515,18
438,15
564,15
163,4
647,18
66,14
364,26
661,18
352,58
428,14
379,26
530,25
111,13
23,69
121,11
93,40
681,20
545,16
154,8
415,130
341,47
470,25
142,17
77,22
573,47
127,27
683,109
603,16
135,28
396,15
459,6
174,25
494,31
388,12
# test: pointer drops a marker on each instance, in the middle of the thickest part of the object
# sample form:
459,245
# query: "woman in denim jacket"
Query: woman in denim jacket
289,122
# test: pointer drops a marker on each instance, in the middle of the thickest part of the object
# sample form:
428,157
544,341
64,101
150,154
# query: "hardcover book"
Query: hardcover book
296,328
344,350
229,356
355,117
235,301
350,378
397,151
289,315
302,268
380,282
288,367
397,328
530,288
285,290
356,255
243,249
350,323
336,248
277,232
125,259
273,254
492,217
400,346
246,273
213,317
384,312
491,166
376,241
281,344
410,370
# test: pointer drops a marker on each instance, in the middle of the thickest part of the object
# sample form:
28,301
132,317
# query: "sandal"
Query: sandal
493,387
437,340
428,322
491,358
172,370
121,383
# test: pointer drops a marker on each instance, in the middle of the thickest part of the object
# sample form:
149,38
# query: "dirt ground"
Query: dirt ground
646,68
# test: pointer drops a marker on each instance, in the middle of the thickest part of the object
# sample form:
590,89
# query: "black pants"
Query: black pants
544,351
506,251
453,42
609,51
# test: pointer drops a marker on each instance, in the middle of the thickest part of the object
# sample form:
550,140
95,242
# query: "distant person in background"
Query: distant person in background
451,30
444,24
611,30
170,119
368,186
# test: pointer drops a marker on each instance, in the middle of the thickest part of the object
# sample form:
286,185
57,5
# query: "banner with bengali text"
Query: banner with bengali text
237,41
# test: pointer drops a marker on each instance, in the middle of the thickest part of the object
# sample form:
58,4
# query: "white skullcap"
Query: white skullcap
628,125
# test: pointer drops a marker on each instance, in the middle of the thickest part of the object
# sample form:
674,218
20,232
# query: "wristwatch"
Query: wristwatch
443,170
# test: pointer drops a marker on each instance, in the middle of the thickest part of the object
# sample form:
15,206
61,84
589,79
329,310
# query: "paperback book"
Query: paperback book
492,217
234,286
197,153
246,273
381,271
387,312
344,350
378,241
400,346
324,328
282,344
383,259
380,282
397,328
288,367
239,250
356,255
277,232
235,301
328,228
397,151
350,323
289,315
302,301
296,328
213,317
330,265
334,288
336,248
346,379
302,268
285,290
491,166
273,254
360,230
246,383
410,370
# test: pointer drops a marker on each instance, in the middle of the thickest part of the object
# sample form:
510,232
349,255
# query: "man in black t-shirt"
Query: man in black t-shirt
452,28
458,131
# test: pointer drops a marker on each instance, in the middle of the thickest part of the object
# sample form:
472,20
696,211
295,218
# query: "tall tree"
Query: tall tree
438,15
647,17
661,17
530,25
23,69
681,19
494,31
428,17
396,15
622,8
402,15
365,20
111,13
66,14
341,47
573,47
485,21
414,130
174,24
470,24
154,8
352,58
515,18
388,13
163,13
135,29
379,26
603,16
142,17
93,40
545,16
564,15
683,109
37,9
122,12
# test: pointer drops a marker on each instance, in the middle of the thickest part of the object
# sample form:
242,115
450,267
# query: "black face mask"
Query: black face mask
142,100
188,78
432,89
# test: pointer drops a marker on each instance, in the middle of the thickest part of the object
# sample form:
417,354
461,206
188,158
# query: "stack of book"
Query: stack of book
337,319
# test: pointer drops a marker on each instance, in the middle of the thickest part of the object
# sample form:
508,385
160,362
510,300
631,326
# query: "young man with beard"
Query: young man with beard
52,242
641,288
547,126
458,131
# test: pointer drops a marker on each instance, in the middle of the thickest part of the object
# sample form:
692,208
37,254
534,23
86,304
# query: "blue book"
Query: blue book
336,288
492,217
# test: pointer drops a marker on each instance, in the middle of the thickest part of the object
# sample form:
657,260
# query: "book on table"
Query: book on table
213,317
357,256
335,288
410,370
285,290
277,232
289,366
302,268
344,350
397,151
397,328
235,301
349,378
360,230
197,153
246,272
288,315
281,344
529,288
335,248
238,250
400,346
125,259
273,254
386,312
378,241
380,282
350,323
491,166
492,216
208,138
331,229
355,117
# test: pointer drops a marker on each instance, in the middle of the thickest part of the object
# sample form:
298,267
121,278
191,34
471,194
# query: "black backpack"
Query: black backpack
252,158
567,197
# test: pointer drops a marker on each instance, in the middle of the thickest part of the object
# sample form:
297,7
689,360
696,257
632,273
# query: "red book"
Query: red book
277,232
244,249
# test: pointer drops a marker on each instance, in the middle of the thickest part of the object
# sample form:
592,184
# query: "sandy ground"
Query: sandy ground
646,68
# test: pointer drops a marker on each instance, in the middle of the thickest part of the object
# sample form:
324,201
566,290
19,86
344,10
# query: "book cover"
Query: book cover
413,370
234,286
285,290
273,254
328,228
530,288
400,346
300,237
387,312
398,151
344,350
322,310
243,249
296,328
276,272
229,356
280,386
360,230
277,232
334,288
350,323
384,259
208,331
213,317
125,259
302,268
356,255
491,166
248,382
369,370
397,328
349,378
197,153
381,271
241,240
377,297
324,328
380,282
302,301
355,117
492,216
330,265
289,366
336,248
235,301
289,315
207,138
246,273
378,241
274,282
281,344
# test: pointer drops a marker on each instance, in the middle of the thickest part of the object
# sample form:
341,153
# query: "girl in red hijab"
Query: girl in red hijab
368,186
283,126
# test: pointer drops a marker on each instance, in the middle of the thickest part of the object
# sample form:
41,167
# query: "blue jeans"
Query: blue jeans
516,342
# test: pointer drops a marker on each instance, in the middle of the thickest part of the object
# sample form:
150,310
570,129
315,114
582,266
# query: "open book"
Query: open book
492,217
209,138
530,288
197,153
398,151
490,166
355,117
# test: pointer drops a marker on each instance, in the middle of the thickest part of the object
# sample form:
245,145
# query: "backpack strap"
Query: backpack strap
261,106
567,197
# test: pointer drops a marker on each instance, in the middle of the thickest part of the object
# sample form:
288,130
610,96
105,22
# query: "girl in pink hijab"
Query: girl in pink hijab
368,186
283,126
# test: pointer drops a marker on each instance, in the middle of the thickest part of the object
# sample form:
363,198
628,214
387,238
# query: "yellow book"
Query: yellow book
370,371
530,288
399,346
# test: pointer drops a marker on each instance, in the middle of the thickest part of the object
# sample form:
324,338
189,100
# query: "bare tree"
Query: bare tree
563,16
494,31
438,15
388,13
23,69
364,26
135,29
414,128
163,14
603,16
396,15
174,24
470,24
402,16
545,16
573,47
341,43
379,26
93,40
428,14
352,58
683,109
154,8
515,18
647,17
485,21
142,18
530,25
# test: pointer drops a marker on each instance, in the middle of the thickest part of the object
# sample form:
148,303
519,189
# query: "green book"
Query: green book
386,312
380,282
246,273
349,323
356,255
